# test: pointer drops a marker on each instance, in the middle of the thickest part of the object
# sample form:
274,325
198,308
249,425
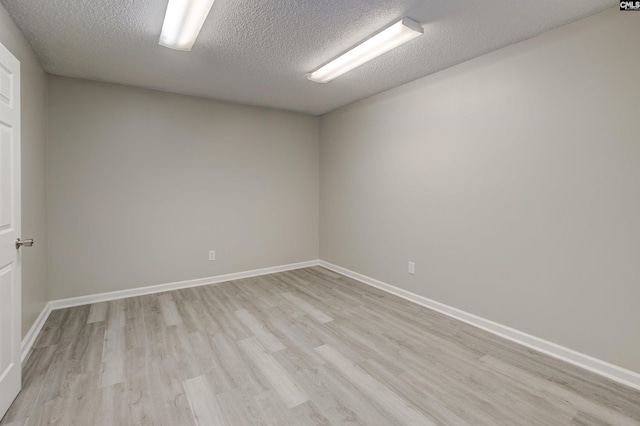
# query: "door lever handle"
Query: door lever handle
26,243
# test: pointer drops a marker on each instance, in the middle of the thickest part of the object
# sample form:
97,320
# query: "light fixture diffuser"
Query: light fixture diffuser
183,22
389,38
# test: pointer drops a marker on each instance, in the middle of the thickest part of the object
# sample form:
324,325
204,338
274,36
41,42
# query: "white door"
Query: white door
10,284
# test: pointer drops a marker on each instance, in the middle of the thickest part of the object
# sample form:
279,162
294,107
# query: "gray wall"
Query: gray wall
513,182
34,127
142,184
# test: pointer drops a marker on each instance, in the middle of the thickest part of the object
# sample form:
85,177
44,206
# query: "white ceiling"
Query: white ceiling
258,51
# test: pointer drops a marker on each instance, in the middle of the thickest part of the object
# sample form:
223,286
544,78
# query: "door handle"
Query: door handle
26,243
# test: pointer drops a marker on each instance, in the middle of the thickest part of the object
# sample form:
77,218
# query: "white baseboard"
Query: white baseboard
34,331
603,368
141,291
30,338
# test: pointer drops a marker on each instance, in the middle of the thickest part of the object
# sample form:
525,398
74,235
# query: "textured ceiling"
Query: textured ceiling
258,51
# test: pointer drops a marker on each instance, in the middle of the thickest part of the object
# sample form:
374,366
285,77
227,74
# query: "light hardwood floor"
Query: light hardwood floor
307,347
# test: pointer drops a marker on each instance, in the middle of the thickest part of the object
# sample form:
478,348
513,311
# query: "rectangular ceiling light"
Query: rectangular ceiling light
183,22
391,37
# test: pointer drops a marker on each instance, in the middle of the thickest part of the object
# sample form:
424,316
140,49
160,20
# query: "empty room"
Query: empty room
298,212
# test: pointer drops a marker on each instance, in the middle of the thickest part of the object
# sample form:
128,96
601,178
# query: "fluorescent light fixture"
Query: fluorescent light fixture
183,22
390,37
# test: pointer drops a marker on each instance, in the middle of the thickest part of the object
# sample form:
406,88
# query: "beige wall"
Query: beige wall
513,182
143,184
34,95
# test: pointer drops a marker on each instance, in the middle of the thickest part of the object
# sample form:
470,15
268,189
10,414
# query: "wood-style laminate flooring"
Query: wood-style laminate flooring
306,347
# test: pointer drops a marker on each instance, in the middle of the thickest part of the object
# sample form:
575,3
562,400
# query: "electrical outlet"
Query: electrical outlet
412,268
212,255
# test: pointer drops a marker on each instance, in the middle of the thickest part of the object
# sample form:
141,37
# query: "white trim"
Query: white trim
34,331
141,291
603,368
